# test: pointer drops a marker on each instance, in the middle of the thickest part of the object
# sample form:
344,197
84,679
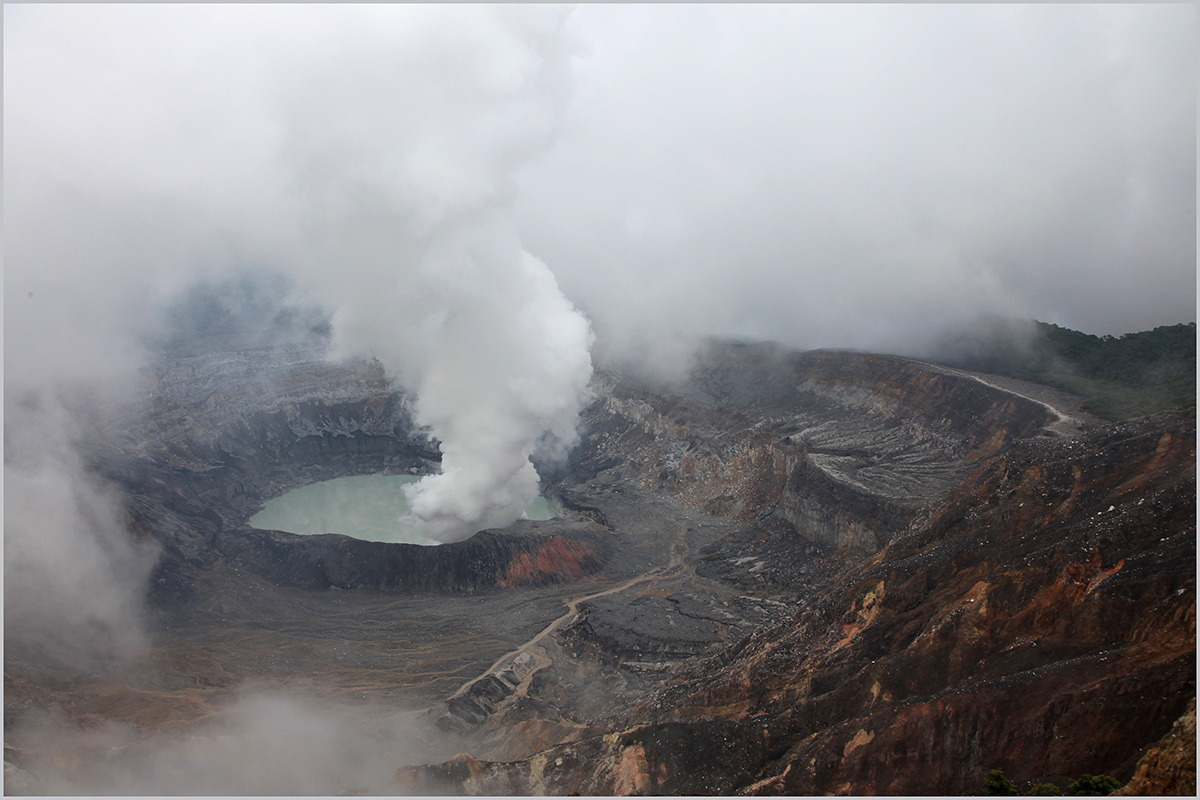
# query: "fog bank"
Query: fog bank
863,175
264,741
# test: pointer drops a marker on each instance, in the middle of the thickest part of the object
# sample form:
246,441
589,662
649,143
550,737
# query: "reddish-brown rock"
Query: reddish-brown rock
1042,623
1169,768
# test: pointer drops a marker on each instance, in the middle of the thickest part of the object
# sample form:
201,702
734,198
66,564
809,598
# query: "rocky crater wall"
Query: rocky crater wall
221,434
527,554
800,573
1040,622
845,448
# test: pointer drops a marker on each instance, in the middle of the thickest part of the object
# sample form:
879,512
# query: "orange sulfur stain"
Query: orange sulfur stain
558,557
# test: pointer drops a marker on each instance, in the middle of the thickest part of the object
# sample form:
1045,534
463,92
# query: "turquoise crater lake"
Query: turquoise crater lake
367,507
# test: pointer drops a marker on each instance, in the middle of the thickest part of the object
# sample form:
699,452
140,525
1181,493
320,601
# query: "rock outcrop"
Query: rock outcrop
1169,768
527,554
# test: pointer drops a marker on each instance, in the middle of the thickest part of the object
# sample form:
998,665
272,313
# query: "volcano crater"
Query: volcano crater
769,548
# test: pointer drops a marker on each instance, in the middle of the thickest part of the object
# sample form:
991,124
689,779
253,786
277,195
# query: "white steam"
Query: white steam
406,192
509,367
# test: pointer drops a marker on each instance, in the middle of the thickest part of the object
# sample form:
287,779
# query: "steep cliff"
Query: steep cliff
1041,623
1169,767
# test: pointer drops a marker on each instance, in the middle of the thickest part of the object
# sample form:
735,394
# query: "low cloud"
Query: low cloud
863,176
74,578
281,741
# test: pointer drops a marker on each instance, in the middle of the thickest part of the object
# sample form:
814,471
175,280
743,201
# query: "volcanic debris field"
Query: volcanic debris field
813,572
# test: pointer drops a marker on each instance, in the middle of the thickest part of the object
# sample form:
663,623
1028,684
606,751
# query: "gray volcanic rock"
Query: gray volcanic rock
846,449
767,556
649,633
527,554
224,432
800,454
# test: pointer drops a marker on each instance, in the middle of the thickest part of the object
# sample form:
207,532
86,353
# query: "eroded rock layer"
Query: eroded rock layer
845,448
1168,768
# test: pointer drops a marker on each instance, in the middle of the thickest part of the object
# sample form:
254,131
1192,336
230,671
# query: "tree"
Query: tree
1094,785
1044,790
997,784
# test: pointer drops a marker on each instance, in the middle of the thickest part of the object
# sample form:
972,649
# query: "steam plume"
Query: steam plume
416,246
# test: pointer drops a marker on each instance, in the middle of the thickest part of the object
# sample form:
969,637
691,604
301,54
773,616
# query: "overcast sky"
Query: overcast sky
841,175
849,174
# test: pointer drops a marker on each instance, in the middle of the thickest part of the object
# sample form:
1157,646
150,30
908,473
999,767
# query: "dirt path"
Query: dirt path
537,653
1069,420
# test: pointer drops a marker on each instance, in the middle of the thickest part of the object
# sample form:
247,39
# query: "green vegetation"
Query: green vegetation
997,784
1096,785
1121,376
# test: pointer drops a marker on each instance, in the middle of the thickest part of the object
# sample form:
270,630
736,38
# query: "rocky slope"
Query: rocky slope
1168,768
846,447
823,572
1041,622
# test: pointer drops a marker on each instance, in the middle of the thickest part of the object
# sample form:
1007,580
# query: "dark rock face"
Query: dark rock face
650,629
800,573
1169,768
528,554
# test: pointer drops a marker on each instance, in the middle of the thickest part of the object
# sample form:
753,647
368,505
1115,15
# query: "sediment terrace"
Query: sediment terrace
783,549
